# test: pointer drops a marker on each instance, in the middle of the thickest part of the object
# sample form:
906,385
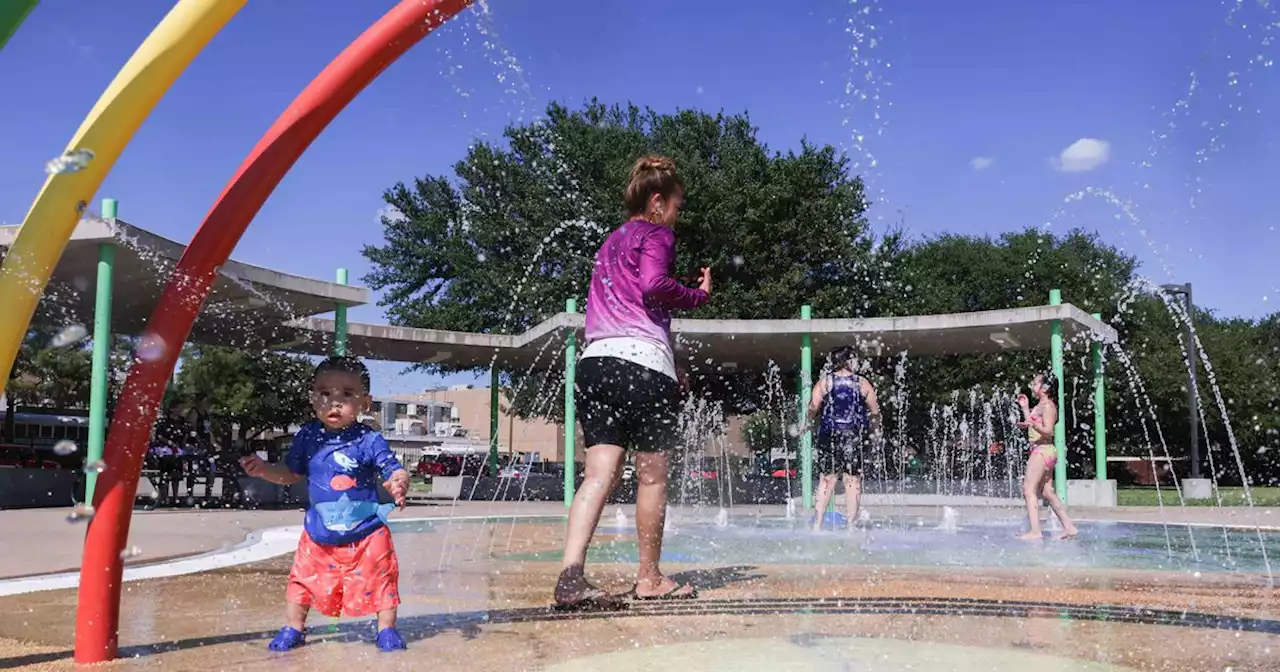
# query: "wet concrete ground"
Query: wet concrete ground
469,607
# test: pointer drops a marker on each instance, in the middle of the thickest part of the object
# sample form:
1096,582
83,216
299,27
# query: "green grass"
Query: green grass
1262,496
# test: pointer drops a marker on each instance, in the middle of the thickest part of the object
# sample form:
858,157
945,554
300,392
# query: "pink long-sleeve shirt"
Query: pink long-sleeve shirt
632,292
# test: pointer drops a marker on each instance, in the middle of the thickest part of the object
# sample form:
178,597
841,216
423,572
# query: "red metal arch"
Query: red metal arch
101,573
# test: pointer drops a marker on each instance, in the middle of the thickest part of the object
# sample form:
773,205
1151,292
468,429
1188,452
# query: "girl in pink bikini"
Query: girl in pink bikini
1039,423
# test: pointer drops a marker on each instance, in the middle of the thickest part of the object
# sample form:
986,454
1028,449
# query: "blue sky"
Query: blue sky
977,102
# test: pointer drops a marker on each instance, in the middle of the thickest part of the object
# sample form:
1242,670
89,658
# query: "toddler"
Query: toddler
345,560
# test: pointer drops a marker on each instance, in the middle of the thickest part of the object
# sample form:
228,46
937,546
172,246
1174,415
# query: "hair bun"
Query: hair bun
651,175
655,163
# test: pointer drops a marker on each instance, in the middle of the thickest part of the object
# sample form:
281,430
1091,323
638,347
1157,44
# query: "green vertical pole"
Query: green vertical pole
493,420
101,367
1099,411
570,413
340,321
806,391
1060,427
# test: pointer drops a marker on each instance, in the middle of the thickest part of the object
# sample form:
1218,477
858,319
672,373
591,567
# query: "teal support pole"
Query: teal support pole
1060,427
806,392
570,413
101,367
340,321
1099,411
493,420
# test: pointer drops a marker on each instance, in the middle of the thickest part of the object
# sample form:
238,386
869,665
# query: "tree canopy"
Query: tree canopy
501,244
254,390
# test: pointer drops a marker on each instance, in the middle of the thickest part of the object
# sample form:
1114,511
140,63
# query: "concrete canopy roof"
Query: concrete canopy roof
253,306
744,344
246,300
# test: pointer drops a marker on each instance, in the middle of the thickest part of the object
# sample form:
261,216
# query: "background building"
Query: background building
456,419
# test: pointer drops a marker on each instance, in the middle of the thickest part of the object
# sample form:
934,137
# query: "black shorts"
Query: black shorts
170,465
624,404
840,453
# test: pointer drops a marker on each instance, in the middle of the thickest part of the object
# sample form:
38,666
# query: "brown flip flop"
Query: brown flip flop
591,599
575,593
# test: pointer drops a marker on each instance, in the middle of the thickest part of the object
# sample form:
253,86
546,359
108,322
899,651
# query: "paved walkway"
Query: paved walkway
161,535
167,534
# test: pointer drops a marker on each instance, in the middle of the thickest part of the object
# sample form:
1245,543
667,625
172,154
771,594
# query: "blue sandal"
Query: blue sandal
390,640
288,639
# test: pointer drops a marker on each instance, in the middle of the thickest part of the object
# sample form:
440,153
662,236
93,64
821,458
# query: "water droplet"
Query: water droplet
65,447
81,283
72,161
738,260
70,335
131,552
151,348
81,513
95,467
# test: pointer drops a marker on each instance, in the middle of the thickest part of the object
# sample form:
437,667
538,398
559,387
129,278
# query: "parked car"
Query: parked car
428,467
448,465
514,471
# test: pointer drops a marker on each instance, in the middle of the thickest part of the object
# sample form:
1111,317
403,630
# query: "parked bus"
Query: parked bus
36,433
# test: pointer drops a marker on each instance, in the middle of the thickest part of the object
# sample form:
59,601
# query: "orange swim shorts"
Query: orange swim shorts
358,579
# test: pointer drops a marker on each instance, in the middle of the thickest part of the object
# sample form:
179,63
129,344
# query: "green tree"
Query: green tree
952,273
51,376
254,390
1246,373
43,375
1146,373
498,247
763,431
58,377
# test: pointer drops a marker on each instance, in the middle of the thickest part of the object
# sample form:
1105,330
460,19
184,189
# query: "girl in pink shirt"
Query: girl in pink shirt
628,386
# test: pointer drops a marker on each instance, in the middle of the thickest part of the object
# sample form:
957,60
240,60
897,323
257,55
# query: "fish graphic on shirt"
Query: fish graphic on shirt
345,514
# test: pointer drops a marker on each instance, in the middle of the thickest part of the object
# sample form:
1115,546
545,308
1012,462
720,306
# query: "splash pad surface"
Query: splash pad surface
918,541
476,595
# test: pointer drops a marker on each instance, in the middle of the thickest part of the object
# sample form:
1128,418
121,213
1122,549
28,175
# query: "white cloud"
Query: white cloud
1083,155
981,162
390,212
